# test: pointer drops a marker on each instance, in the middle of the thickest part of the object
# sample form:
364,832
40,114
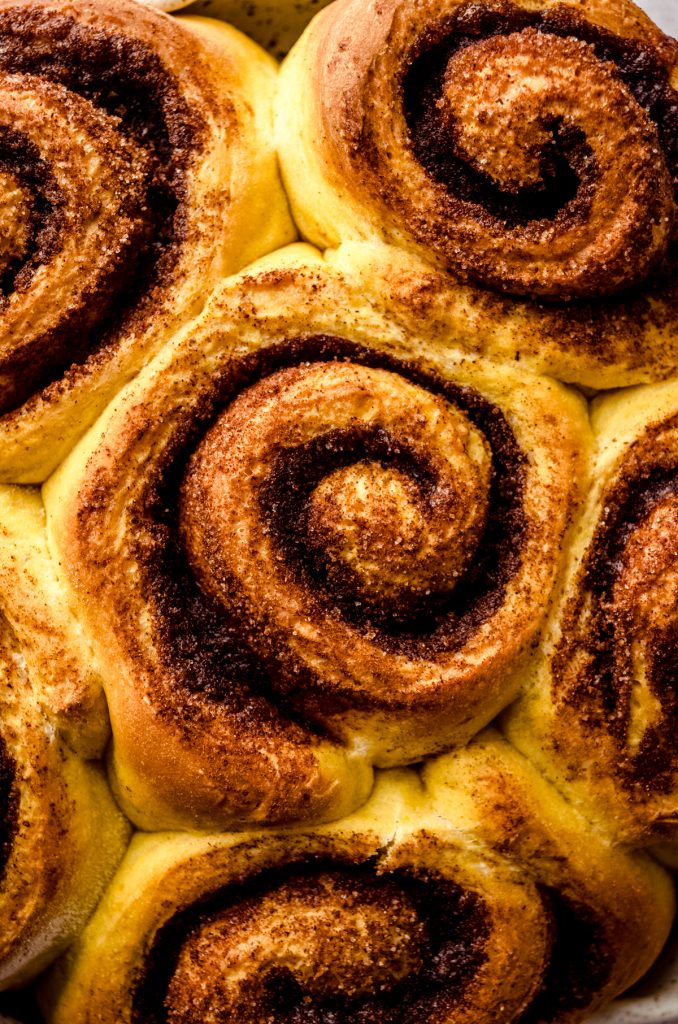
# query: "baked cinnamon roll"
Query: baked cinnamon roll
600,716
309,539
528,150
61,835
474,898
136,170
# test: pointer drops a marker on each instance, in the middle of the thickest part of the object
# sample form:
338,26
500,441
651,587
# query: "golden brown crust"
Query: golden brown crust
472,900
318,533
61,835
52,642
613,903
600,717
233,631
131,164
403,136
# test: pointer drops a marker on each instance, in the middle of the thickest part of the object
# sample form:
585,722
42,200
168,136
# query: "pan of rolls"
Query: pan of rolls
338,512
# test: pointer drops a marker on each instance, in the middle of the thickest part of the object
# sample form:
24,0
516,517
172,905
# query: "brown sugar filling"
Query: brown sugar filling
566,167
424,947
207,646
123,77
9,805
580,963
628,599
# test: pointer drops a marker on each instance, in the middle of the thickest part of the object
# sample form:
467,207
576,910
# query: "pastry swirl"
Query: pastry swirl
600,717
409,912
61,835
527,150
132,151
239,503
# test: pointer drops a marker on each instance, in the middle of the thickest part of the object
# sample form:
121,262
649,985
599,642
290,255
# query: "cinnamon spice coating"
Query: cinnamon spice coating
465,895
219,531
331,516
132,154
527,151
61,835
600,713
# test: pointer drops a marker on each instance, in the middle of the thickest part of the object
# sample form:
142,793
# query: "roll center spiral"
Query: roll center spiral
551,168
391,484
396,539
274,952
504,97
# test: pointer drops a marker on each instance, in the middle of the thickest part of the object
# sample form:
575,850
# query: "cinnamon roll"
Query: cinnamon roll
136,170
61,835
526,150
471,899
600,715
306,540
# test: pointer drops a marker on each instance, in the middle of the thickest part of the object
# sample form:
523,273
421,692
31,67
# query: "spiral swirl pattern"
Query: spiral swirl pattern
609,683
72,200
317,531
115,179
529,151
336,556
426,907
275,950
409,493
548,157
547,196
364,518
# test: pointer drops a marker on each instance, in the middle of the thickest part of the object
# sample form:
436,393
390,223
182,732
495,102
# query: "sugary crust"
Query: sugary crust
483,821
319,527
201,198
387,701
565,343
355,171
599,716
